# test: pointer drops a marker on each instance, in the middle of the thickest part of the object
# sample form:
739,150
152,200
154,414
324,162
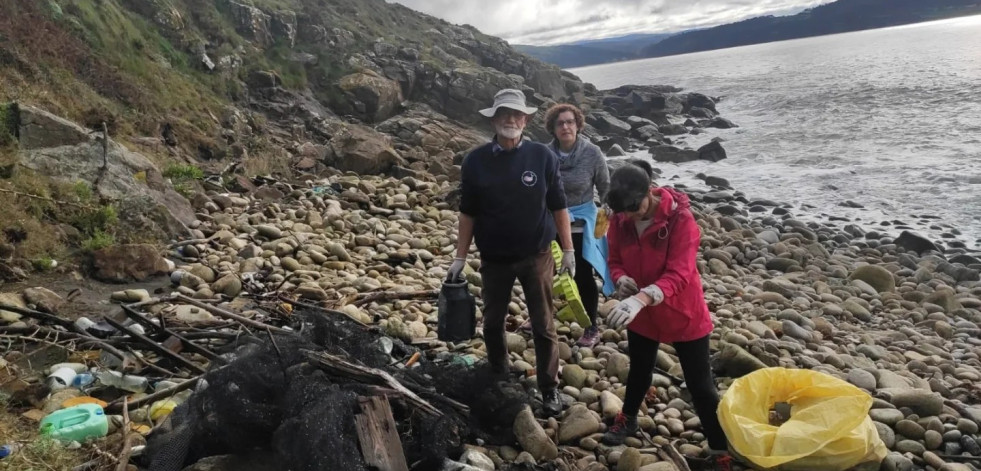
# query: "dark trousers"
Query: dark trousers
585,280
535,275
694,357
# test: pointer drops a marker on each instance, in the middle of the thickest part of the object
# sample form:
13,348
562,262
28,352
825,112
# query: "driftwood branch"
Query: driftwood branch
136,316
229,315
81,337
41,316
127,441
120,403
338,366
45,198
286,299
670,453
155,347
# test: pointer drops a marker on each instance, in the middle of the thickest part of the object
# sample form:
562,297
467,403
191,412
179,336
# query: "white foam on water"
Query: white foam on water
889,119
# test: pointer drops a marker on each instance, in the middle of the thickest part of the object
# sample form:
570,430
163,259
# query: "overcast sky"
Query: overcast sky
542,22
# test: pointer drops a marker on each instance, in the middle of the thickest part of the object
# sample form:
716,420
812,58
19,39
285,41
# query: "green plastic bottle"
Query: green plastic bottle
77,423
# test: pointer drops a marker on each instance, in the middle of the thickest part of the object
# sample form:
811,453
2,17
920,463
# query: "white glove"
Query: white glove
455,272
568,262
655,293
626,286
624,312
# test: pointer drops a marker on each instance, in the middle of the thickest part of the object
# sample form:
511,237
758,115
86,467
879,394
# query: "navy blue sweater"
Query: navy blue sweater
511,196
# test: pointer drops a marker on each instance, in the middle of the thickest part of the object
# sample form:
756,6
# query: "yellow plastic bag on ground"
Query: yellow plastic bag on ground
829,428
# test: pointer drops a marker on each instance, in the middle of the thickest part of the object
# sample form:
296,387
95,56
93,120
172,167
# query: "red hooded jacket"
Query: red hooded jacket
663,255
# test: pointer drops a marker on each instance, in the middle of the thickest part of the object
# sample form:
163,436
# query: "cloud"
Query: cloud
543,22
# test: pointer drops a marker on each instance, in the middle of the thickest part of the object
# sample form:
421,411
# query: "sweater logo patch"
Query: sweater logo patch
529,178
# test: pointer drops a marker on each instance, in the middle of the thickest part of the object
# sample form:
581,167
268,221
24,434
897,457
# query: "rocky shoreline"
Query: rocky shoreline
890,315
900,324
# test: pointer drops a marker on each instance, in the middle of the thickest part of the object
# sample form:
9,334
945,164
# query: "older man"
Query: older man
513,204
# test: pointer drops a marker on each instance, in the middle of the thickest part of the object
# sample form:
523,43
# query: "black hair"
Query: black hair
629,185
645,165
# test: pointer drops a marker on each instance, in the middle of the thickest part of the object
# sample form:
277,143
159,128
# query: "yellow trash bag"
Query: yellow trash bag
829,428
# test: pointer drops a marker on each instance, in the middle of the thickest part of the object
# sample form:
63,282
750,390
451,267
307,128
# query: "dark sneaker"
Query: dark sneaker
622,428
590,337
551,403
720,462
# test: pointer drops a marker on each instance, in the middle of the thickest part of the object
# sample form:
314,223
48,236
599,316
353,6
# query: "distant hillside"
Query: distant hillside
592,51
838,17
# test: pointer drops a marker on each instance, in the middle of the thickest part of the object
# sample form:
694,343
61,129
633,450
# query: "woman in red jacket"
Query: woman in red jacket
653,241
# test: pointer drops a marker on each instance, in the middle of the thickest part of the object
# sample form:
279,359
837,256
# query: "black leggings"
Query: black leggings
694,357
585,280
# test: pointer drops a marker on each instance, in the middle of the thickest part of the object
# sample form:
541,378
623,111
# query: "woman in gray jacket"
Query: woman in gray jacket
586,179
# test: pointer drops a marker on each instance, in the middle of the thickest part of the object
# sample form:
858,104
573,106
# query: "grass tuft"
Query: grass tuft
98,241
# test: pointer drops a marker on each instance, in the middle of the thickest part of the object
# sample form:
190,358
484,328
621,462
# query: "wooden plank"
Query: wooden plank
380,444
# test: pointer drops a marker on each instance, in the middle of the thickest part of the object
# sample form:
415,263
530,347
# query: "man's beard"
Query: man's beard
508,132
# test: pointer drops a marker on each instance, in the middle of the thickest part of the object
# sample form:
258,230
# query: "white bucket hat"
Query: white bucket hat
509,98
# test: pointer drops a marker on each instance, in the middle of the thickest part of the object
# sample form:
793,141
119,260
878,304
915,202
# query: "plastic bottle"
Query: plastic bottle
131,383
602,223
83,379
101,330
163,408
84,323
77,367
9,449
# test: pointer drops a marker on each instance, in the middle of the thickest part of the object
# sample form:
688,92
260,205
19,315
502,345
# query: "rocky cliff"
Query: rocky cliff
281,88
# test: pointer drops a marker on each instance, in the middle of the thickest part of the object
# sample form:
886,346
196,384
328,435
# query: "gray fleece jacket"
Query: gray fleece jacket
584,169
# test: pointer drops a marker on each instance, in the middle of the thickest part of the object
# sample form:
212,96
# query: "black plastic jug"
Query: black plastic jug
457,312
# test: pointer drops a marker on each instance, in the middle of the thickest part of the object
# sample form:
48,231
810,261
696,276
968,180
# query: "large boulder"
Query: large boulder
127,263
11,299
368,96
672,129
607,123
698,100
431,131
578,422
914,242
44,299
39,129
876,276
61,149
532,437
672,154
546,79
284,26
459,93
717,122
251,22
712,151
362,150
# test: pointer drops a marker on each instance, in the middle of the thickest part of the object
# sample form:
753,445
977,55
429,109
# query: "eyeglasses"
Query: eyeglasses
565,122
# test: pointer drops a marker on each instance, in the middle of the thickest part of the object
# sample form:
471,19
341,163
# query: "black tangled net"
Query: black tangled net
271,398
